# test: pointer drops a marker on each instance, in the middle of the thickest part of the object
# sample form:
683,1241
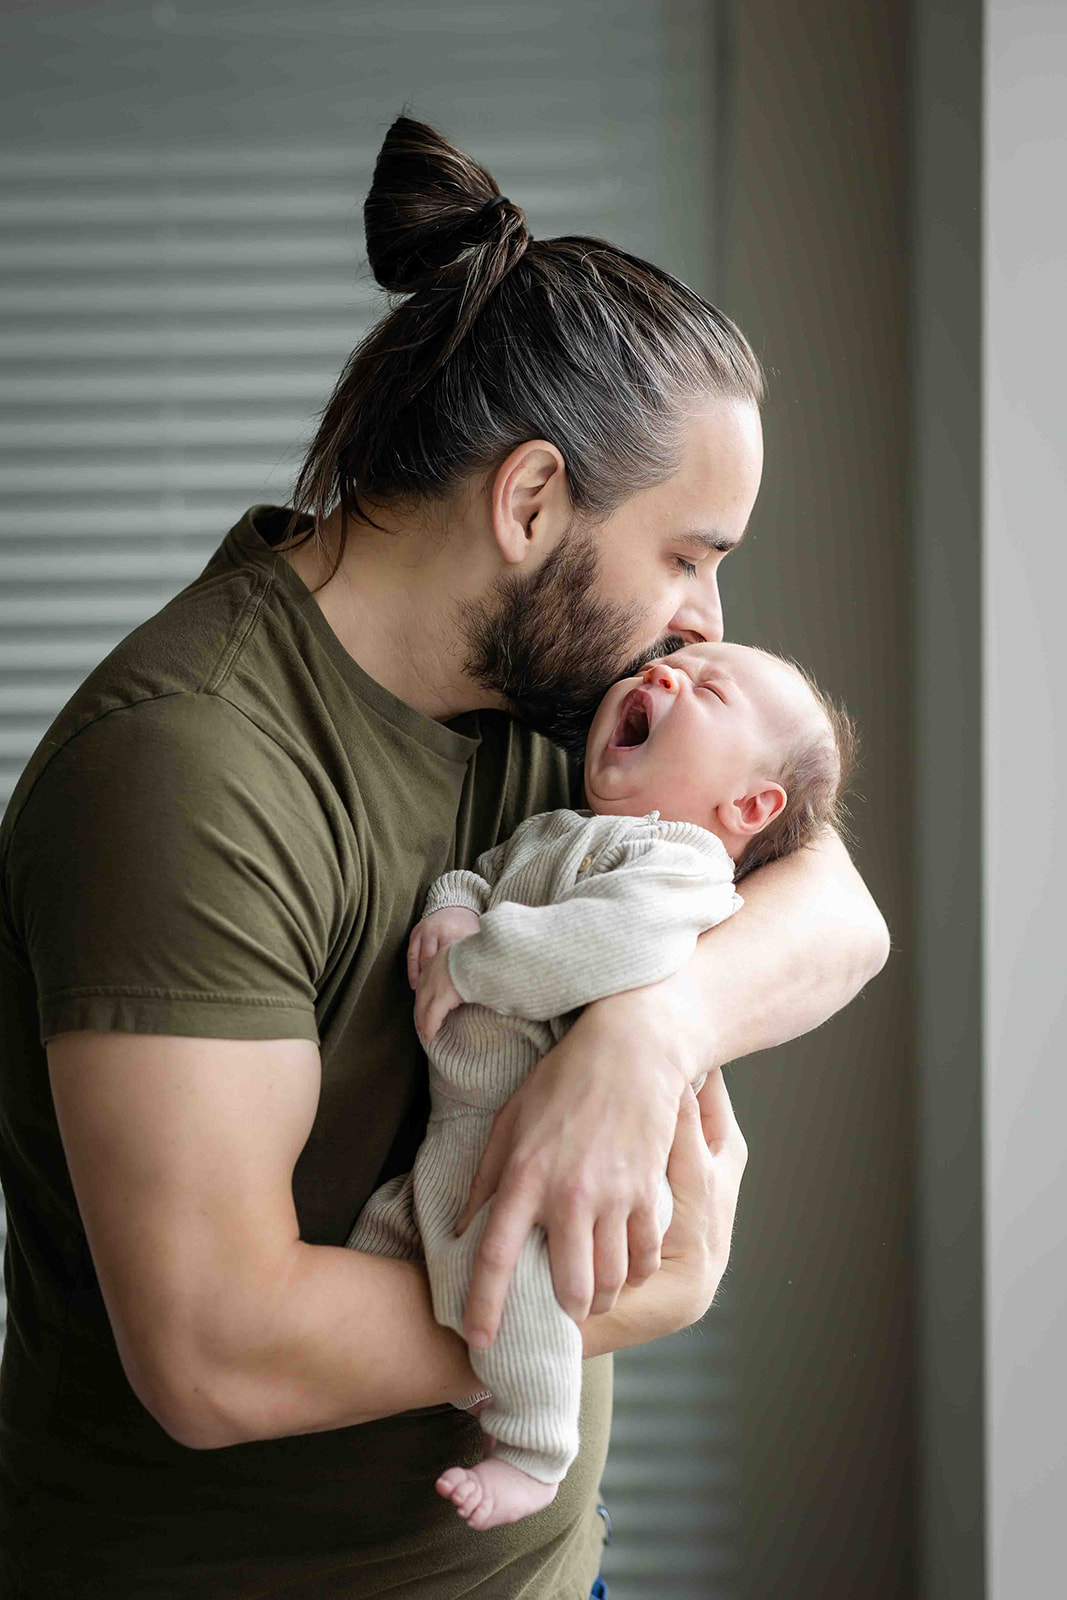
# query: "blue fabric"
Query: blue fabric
599,1591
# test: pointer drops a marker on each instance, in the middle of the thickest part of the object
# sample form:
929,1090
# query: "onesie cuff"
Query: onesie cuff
464,889
471,1400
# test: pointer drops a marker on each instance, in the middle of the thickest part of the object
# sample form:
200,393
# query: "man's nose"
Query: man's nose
698,619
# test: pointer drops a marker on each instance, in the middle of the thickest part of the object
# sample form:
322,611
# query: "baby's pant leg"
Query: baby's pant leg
386,1226
534,1365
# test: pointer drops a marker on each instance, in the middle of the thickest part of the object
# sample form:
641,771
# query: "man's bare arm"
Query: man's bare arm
806,940
229,1327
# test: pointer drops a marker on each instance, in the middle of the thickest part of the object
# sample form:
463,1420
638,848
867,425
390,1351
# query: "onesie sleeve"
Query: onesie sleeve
465,888
172,871
457,889
632,924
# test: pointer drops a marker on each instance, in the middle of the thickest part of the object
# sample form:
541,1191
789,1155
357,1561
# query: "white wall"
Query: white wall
1025,583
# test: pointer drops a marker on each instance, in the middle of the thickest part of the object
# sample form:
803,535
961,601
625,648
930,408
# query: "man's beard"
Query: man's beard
550,648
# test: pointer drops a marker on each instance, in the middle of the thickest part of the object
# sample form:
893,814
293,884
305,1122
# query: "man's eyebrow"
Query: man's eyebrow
708,539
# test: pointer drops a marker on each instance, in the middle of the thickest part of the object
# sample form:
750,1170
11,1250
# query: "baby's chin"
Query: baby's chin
639,804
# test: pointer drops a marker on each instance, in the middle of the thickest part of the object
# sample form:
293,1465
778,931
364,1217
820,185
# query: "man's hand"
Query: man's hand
436,932
580,1149
435,996
705,1169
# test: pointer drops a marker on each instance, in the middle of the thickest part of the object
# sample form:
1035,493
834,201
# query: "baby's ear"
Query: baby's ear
753,811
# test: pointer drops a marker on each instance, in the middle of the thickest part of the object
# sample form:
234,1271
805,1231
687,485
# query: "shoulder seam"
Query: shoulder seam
245,623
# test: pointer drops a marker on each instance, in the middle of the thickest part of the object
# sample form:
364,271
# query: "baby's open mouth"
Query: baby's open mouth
632,727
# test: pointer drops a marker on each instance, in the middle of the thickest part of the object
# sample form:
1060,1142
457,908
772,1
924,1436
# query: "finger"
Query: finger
496,1152
570,1256
428,949
436,1013
689,1144
716,1112
414,944
611,1260
509,1224
422,1010
644,1238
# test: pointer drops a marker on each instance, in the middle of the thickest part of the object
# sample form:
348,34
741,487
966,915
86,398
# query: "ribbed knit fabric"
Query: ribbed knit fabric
573,907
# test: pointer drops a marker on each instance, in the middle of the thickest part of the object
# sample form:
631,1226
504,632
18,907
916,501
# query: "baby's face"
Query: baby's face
692,733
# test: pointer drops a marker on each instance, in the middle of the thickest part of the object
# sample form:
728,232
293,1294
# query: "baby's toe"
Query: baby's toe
461,1487
482,1514
453,1482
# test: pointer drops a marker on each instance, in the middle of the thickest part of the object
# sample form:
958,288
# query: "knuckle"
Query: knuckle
492,1252
609,1283
575,1194
526,1176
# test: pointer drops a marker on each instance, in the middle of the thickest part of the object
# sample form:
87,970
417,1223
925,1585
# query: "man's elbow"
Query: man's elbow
193,1401
868,936
872,948
194,1421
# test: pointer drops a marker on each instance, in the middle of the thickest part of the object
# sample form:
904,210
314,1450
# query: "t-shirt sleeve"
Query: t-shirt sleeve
173,872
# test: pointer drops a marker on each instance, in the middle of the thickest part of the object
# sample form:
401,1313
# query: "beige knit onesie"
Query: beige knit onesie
573,907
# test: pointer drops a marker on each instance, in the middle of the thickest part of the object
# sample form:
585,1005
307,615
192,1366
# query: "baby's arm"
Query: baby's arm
615,930
451,912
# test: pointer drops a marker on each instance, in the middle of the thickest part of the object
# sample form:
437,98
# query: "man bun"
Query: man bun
429,207
499,338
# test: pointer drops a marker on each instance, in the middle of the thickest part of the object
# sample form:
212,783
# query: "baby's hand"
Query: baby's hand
435,996
437,932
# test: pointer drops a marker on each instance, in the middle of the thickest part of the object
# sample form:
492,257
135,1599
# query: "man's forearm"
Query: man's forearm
348,1337
807,939
333,1337
667,1303
804,943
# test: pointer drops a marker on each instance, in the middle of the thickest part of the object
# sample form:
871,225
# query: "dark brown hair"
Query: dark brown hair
814,773
502,338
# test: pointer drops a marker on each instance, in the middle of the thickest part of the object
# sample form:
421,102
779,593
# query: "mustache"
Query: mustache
573,721
551,648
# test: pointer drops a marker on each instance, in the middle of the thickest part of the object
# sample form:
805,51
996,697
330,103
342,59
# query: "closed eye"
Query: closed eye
688,567
710,687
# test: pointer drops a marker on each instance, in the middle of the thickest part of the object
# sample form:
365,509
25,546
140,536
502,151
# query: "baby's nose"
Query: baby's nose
663,676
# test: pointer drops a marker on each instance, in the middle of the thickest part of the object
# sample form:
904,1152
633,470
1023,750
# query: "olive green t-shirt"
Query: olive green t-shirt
228,832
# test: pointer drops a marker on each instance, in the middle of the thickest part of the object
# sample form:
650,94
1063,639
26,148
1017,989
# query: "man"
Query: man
209,871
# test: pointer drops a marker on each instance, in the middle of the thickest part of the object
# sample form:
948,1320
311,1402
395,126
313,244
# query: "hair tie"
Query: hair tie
497,200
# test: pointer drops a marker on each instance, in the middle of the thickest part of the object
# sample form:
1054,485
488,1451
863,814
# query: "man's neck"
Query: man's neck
395,606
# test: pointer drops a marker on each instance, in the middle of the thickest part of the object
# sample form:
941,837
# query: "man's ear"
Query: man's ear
529,501
751,813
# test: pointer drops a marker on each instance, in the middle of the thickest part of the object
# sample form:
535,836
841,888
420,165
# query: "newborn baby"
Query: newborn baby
706,764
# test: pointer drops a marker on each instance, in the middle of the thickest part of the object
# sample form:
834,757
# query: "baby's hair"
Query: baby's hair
814,773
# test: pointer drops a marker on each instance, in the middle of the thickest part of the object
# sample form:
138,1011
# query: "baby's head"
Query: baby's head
726,736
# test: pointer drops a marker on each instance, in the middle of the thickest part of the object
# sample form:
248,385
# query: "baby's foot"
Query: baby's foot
494,1492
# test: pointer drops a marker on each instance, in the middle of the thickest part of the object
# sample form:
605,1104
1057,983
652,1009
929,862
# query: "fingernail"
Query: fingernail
479,1339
